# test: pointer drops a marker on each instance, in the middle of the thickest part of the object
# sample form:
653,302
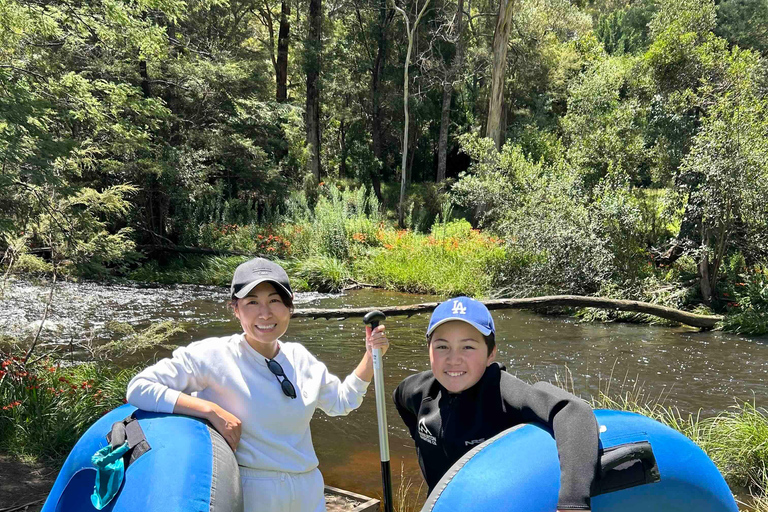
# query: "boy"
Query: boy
467,398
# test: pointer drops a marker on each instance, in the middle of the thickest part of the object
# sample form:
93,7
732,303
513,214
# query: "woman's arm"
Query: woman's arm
165,387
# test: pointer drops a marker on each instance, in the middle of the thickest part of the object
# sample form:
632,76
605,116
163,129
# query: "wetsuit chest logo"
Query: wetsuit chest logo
425,434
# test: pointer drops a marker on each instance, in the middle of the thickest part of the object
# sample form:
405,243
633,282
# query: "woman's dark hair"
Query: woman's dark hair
490,341
284,296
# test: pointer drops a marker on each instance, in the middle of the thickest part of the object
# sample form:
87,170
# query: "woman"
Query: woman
258,392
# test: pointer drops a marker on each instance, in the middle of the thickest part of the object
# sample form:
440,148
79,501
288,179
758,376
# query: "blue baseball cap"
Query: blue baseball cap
463,309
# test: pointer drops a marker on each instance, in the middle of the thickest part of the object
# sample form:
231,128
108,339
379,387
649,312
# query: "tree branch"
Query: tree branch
684,317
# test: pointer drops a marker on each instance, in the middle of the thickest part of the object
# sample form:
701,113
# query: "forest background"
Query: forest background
515,148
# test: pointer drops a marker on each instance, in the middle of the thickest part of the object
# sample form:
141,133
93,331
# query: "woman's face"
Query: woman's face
264,318
458,355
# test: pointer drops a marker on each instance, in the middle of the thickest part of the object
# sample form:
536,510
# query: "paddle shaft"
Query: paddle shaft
381,413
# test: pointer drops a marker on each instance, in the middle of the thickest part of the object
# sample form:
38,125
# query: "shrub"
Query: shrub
748,306
413,262
44,408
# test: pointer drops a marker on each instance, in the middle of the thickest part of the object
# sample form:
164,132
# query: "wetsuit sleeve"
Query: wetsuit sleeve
402,398
575,430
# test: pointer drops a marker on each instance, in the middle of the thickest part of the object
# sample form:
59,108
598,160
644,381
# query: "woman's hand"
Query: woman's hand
376,338
226,424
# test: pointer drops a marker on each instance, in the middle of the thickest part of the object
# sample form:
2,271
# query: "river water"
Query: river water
707,371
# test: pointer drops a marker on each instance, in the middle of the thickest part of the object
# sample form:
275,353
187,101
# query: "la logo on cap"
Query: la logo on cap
458,308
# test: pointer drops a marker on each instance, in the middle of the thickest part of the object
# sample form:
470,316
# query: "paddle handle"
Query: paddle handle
381,414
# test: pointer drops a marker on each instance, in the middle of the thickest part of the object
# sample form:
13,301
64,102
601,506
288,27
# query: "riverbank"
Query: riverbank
345,241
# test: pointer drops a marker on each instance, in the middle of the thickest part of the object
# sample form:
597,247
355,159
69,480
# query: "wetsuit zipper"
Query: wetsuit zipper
450,407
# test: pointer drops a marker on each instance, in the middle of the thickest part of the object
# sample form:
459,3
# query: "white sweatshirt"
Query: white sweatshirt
229,372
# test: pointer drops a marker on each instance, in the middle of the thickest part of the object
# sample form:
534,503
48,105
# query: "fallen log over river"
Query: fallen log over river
676,315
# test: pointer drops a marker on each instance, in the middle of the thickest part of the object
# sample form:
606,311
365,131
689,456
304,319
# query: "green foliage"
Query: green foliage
131,342
445,266
737,20
322,273
683,16
46,408
574,244
213,270
605,124
625,30
748,303
31,264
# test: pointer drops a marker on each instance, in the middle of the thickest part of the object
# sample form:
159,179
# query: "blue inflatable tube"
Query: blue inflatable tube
176,463
645,466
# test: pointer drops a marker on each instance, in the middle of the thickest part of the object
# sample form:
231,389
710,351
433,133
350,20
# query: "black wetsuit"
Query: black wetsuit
447,425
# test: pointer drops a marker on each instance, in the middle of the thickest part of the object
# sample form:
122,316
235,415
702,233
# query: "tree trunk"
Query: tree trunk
445,118
494,128
343,143
144,79
281,70
313,49
376,76
410,31
705,287
646,308
404,160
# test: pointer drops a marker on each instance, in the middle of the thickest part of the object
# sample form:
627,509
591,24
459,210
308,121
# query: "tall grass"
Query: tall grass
450,261
211,270
408,498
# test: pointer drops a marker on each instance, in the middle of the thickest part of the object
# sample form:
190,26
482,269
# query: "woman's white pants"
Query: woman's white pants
275,491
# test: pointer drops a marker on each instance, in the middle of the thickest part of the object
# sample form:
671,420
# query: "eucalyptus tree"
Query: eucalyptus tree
278,50
410,30
312,64
457,37
494,128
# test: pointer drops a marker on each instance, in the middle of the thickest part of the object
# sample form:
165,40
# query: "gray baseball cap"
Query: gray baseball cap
253,272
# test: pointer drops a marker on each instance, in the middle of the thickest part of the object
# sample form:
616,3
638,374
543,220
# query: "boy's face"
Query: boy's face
458,355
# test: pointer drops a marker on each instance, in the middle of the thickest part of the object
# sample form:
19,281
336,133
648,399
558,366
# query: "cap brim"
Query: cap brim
245,290
483,330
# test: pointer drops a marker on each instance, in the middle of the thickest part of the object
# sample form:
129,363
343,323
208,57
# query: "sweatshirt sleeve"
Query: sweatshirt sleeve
157,388
575,430
337,398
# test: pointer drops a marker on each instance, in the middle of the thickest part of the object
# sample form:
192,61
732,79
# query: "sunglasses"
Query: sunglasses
285,384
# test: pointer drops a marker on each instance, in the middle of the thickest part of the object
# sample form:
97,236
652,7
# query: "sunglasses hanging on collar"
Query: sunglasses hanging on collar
285,384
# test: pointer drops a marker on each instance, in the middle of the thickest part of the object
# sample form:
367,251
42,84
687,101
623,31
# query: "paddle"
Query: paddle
373,318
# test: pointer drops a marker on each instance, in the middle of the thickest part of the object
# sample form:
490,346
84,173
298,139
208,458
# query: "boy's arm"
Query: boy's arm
575,429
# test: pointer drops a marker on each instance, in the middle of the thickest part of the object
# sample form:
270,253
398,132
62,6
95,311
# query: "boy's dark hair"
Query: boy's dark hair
490,341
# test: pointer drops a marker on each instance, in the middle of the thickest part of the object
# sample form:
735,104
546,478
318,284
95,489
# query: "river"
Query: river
707,371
